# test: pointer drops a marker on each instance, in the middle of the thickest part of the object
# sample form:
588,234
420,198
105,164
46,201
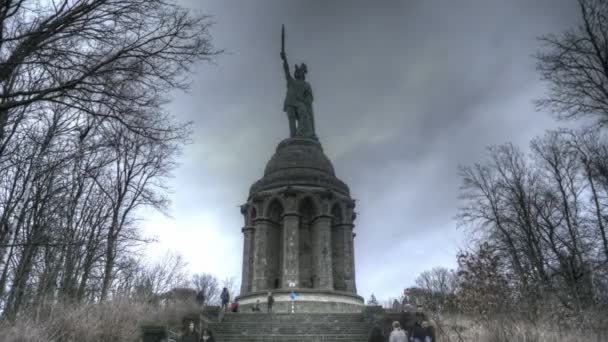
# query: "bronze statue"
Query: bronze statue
298,100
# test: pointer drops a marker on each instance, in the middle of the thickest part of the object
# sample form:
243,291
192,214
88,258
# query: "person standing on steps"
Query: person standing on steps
270,302
225,297
397,335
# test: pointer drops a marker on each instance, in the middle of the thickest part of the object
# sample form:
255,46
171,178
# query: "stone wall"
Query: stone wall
311,246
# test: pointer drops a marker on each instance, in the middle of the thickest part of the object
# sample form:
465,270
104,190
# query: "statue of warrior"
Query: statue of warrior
298,100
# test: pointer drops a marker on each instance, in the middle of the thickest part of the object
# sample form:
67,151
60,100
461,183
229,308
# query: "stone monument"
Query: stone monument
298,98
299,219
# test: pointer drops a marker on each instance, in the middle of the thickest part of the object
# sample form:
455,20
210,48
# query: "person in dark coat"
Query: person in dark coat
376,335
200,299
270,302
225,297
418,333
429,331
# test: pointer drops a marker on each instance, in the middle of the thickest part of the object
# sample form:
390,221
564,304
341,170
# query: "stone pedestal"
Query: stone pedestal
298,233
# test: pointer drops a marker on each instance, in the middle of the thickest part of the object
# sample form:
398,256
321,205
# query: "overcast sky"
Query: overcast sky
404,93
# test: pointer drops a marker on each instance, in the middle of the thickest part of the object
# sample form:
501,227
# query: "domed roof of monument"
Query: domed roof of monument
299,162
299,153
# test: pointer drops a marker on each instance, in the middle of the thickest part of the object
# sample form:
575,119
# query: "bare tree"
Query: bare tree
591,149
544,216
168,273
101,57
439,279
437,290
85,141
137,178
482,285
575,65
500,198
145,281
209,285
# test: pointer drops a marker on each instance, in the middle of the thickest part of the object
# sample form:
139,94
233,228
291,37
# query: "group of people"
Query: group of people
192,336
269,303
420,332
228,306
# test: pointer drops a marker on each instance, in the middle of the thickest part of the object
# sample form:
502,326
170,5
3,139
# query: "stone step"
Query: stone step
253,325
354,323
291,338
230,317
291,327
294,324
294,331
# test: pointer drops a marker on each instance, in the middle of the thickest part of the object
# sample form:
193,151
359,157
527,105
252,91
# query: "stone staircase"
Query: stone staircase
298,327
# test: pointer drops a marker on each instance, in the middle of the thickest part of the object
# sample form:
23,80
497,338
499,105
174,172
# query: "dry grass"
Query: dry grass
120,321
463,329
115,321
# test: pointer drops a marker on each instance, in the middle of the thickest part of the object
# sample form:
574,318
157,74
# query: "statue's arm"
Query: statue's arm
285,66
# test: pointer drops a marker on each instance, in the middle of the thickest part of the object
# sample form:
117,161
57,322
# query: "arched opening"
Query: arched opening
275,243
336,213
275,210
337,247
250,216
308,212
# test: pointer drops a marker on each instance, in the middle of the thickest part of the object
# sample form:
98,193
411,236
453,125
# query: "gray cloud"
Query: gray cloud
404,92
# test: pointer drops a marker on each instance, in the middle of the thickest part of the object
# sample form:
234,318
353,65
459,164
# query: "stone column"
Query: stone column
349,272
260,280
352,285
291,243
349,251
342,234
246,279
321,253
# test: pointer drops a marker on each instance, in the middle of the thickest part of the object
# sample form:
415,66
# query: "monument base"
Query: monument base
306,301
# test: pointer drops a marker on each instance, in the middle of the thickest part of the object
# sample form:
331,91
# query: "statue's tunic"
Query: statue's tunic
299,93
298,105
